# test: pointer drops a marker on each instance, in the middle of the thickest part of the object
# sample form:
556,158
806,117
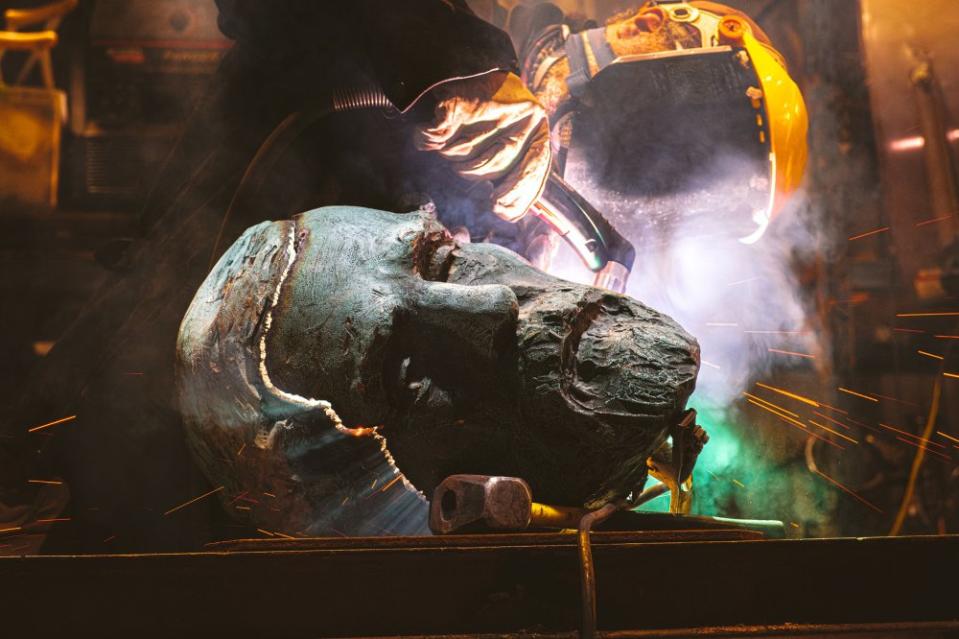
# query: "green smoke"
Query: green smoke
736,477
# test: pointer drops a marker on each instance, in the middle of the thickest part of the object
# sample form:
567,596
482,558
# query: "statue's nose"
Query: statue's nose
482,316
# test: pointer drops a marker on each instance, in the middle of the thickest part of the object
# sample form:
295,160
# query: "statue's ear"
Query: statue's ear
651,20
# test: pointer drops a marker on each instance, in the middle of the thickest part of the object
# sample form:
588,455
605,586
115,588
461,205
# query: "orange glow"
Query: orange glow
947,436
785,393
53,423
933,221
806,355
833,408
193,501
830,419
924,448
829,430
869,233
391,483
855,394
910,435
768,403
939,314
847,491
777,414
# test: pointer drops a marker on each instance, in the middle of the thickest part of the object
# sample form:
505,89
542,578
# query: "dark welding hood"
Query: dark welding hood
664,138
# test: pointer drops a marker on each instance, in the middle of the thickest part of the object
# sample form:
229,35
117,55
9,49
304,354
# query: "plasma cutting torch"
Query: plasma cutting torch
601,247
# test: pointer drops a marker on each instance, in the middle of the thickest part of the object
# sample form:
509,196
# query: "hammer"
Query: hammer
462,503
470,503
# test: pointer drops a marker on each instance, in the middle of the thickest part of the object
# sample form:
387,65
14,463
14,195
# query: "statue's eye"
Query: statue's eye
433,256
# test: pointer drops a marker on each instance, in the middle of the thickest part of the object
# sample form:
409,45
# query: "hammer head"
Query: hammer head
469,502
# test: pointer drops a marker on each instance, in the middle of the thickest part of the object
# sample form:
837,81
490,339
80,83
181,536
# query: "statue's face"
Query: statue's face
464,358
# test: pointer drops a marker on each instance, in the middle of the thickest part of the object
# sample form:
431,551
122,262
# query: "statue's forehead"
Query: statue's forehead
369,229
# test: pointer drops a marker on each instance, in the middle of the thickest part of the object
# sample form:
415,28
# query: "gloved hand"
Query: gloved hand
492,128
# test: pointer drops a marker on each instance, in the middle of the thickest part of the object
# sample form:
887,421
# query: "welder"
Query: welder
668,111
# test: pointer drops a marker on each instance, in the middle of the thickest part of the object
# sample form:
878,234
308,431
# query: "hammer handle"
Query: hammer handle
544,516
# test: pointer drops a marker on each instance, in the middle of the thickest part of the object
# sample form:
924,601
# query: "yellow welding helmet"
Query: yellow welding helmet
784,108
719,126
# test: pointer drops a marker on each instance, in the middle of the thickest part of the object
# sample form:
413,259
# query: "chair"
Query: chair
31,117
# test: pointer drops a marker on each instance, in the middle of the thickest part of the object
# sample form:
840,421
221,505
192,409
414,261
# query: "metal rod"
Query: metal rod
587,570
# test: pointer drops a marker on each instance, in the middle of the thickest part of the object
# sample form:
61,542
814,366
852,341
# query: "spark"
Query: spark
777,414
946,336
760,399
952,375
279,534
14,529
932,355
47,482
775,332
242,448
739,483
265,532
848,491
733,324
893,399
937,314
794,524
867,234
855,394
794,423
270,495
833,408
866,426
804,400
241,507
193,501
933,220
829,430
949,437
239,497
806,355
710,364
924,448
907,330
53,521
750,279
53,423
902,432
828,418
109,539
391,484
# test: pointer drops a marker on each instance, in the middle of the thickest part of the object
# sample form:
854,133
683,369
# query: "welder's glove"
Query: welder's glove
492,128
